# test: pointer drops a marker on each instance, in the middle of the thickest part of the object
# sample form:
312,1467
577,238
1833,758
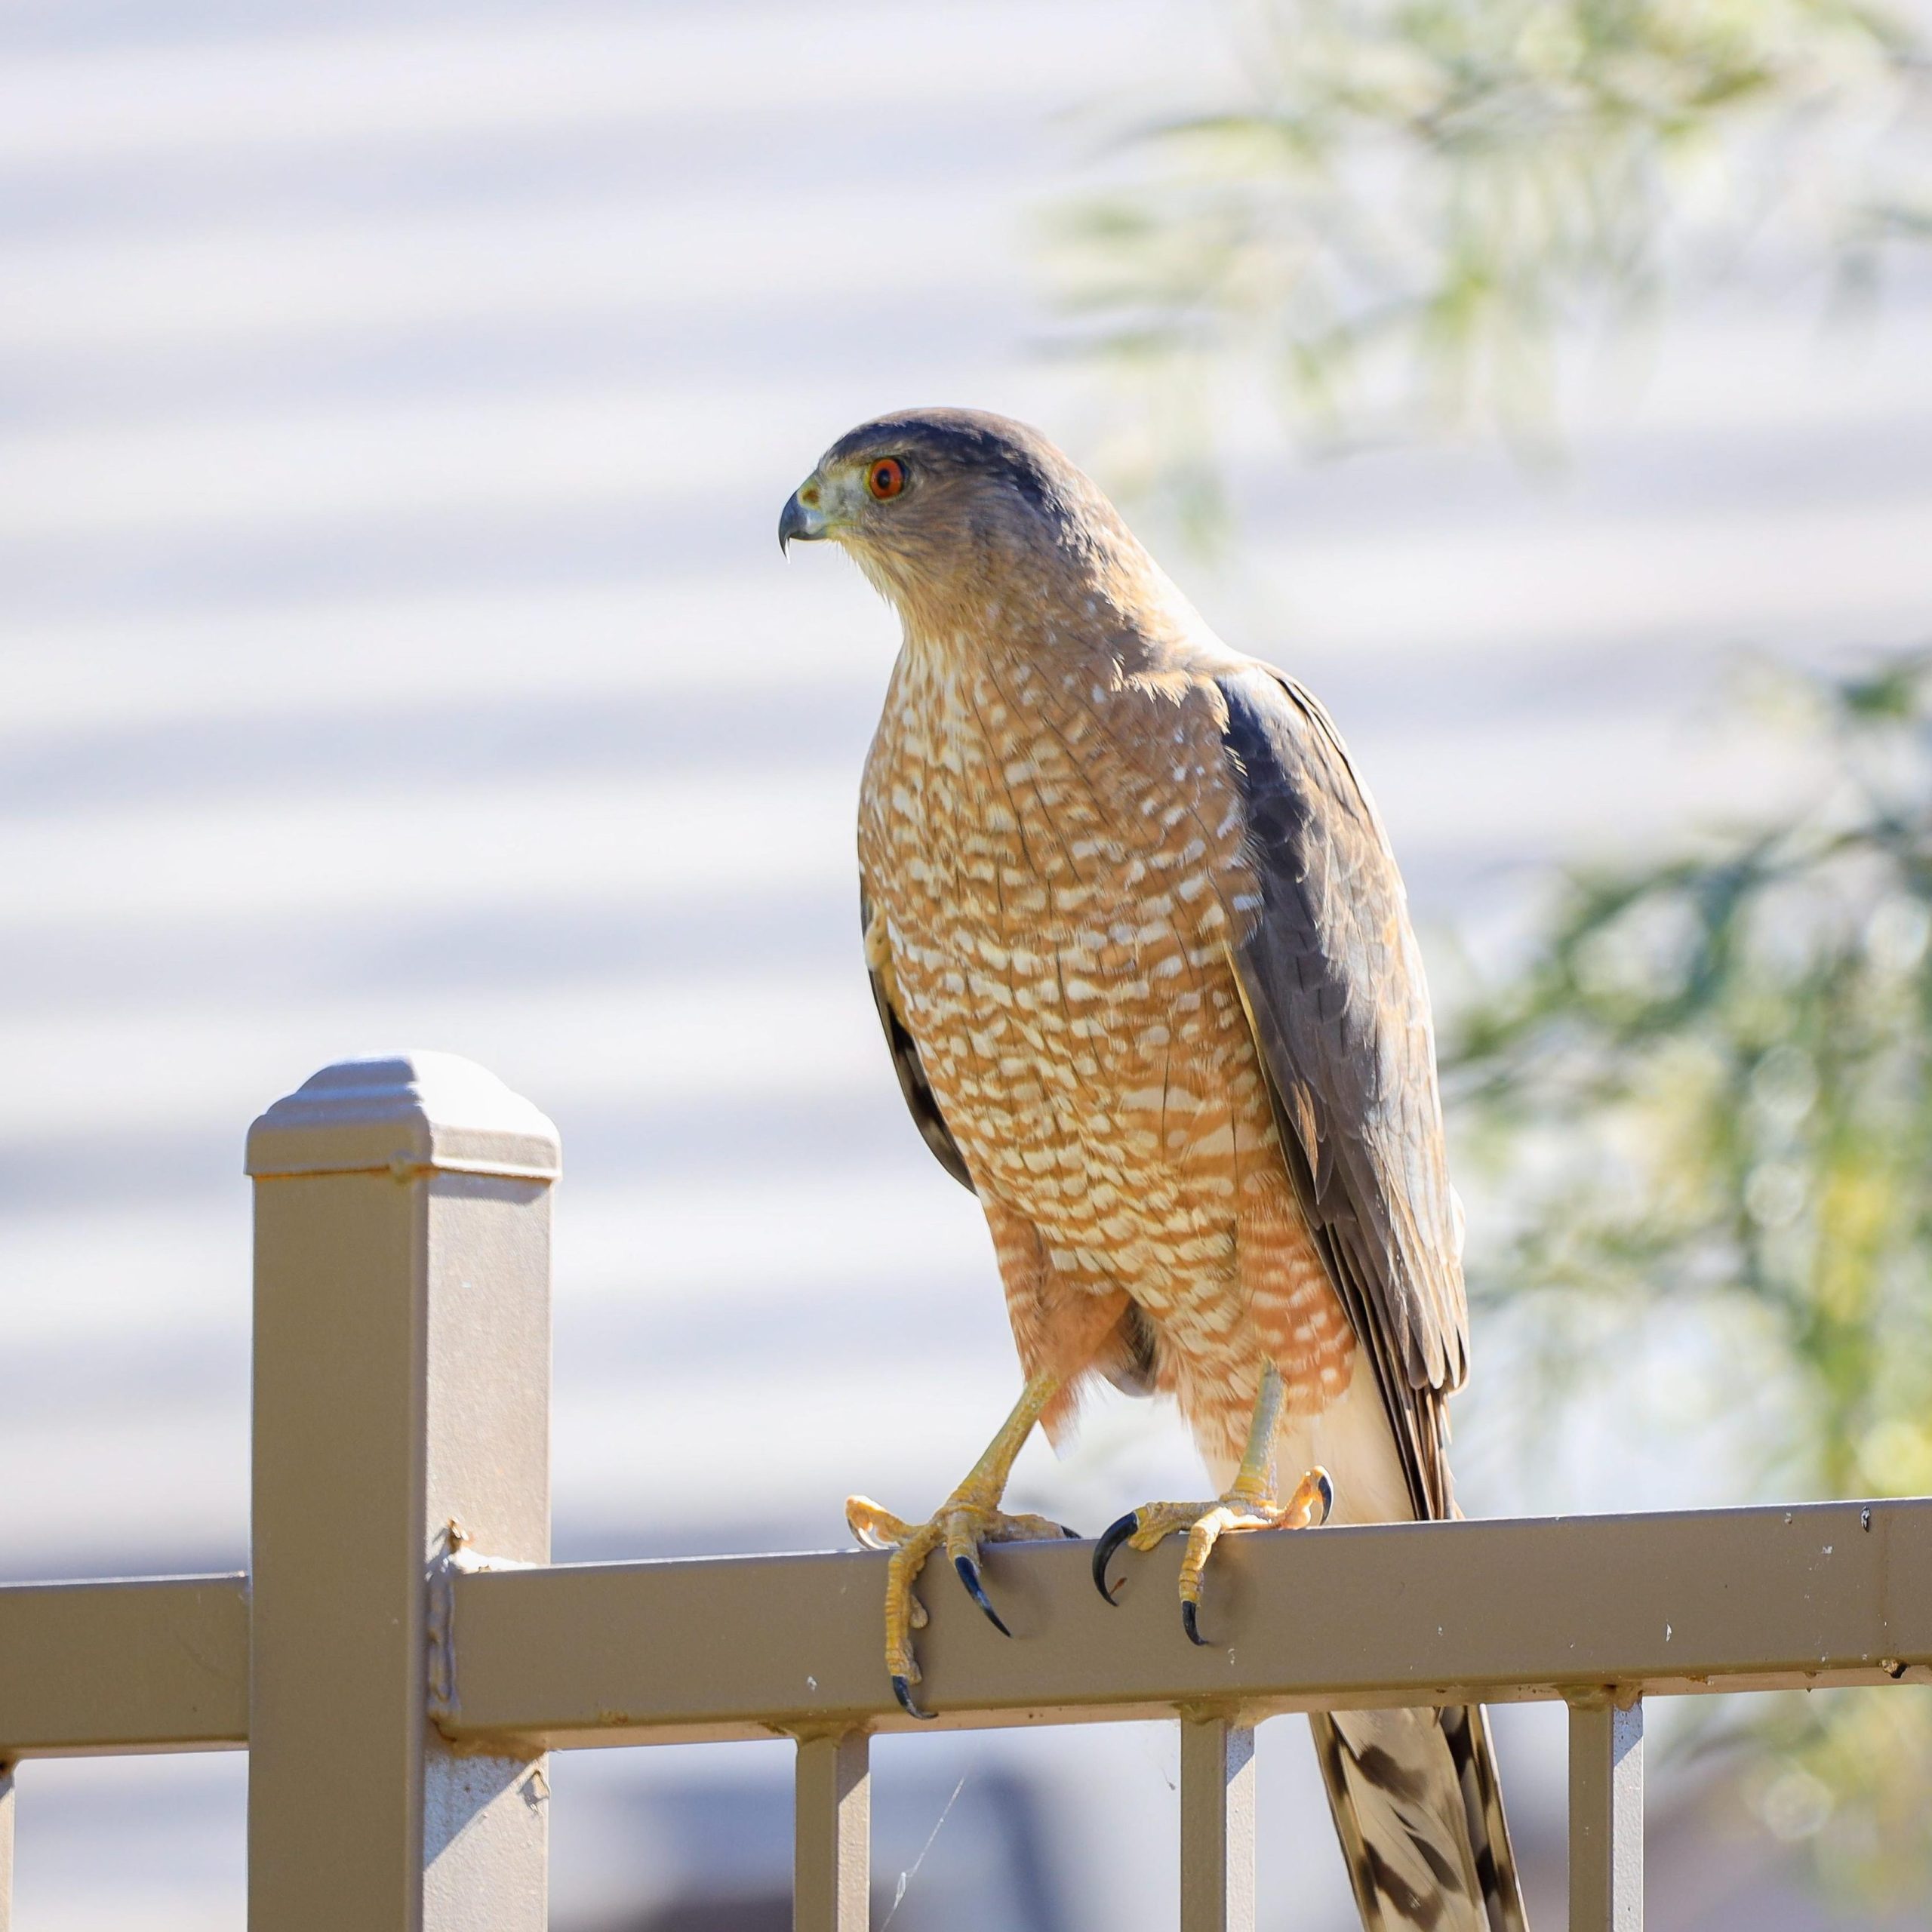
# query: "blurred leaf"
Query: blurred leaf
1704,1094
1413,199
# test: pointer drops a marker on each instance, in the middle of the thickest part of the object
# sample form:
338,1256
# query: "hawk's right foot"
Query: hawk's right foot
969,1518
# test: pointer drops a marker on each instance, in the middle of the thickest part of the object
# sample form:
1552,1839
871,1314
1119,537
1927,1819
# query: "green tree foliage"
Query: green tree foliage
1711,1082
1405,203
1704,1097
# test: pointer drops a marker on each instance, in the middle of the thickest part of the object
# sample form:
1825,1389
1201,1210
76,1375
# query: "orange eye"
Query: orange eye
886,478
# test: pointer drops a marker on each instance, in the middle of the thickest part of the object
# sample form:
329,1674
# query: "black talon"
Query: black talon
1111,1540
969,1575
1188,1624
1327,1489
903,1692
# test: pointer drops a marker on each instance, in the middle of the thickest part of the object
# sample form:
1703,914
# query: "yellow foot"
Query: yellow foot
964,1523
1206,1523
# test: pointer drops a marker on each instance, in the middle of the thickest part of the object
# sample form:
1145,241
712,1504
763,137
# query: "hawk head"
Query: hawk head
939,504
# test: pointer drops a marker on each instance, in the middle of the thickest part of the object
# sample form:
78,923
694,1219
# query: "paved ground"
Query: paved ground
397,405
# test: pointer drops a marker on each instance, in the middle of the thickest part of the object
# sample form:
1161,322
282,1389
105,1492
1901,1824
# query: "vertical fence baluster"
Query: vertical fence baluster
1606,1815
833,1835
402,1380
1216,1825
6,1845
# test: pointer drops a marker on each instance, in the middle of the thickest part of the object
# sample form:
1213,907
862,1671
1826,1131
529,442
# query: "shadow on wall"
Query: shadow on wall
973,1850
767,1911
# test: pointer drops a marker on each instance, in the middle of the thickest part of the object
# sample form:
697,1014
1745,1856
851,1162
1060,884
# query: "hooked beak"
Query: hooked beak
802,517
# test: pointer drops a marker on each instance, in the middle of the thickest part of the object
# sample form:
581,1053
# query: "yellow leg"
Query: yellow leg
969,1517
1249,1504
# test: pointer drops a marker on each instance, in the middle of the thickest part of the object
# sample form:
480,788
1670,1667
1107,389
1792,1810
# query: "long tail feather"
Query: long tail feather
1419,1811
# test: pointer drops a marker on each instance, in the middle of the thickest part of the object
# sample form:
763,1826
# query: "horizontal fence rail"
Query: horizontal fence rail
158,1665
1827,1595
402,1655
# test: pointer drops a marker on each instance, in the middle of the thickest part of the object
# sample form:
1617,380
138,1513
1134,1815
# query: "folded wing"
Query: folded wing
1329,968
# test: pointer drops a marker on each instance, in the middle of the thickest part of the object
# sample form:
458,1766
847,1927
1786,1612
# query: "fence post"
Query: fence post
1606,1814
6,1845
402,1384
832,1826
1217,1825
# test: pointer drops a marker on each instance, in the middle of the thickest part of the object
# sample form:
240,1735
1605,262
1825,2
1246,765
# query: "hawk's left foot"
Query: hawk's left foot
1248,1506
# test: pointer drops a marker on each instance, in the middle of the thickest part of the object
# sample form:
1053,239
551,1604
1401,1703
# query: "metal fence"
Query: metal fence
401,1655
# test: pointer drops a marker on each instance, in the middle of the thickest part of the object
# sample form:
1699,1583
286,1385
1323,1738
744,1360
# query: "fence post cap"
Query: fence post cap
404,1112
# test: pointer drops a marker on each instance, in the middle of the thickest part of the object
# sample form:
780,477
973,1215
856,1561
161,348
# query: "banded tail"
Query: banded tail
1420,1813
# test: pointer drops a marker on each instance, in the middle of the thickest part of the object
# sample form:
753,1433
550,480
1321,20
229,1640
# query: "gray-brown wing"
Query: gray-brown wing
920,1099
1333,982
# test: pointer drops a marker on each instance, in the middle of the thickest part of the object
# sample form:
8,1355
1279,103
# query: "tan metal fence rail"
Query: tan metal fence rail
397,1685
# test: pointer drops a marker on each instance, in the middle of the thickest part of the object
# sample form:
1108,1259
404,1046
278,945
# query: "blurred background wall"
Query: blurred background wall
396,402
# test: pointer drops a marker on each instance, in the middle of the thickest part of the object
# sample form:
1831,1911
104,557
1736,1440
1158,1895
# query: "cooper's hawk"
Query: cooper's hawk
1145,969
